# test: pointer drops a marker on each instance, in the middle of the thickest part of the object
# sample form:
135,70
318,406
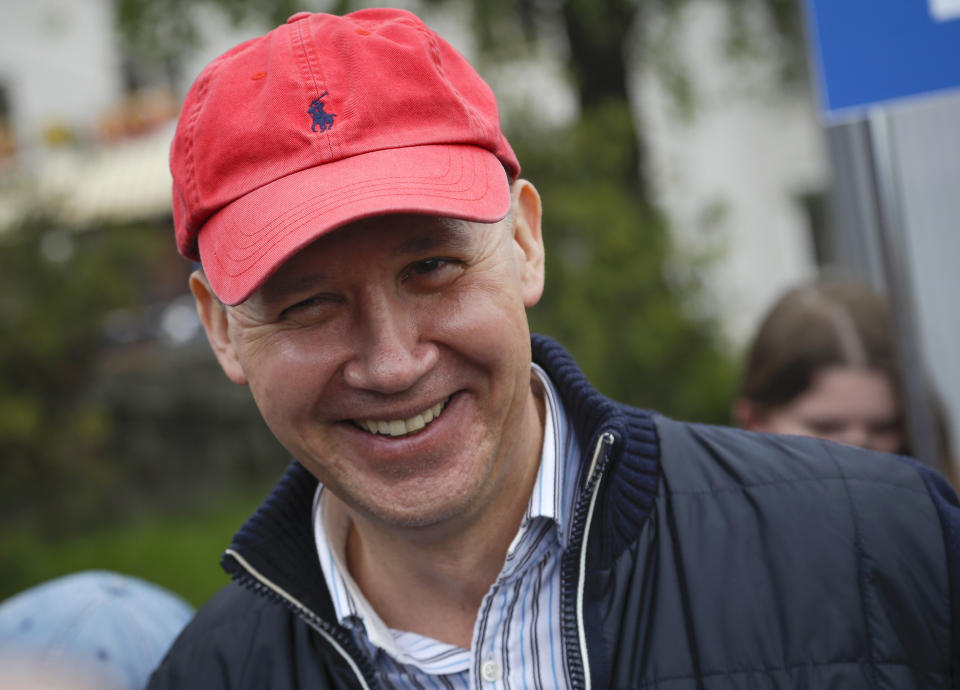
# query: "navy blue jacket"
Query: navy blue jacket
703,557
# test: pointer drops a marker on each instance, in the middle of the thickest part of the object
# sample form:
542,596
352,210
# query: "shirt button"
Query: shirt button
490,671
297,17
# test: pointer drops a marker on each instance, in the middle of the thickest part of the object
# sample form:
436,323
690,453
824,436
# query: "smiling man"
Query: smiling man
464,510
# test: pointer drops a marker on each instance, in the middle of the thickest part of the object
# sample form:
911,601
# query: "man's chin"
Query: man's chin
418,499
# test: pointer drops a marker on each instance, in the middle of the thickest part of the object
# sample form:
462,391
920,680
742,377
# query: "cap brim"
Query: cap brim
248,240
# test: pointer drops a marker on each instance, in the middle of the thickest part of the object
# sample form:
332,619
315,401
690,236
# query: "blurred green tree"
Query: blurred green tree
56,287
102,424
611,296
97,426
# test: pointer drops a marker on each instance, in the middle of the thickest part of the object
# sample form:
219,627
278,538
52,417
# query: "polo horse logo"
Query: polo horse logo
320,117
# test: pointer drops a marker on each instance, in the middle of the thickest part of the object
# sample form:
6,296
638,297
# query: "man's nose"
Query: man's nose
390,355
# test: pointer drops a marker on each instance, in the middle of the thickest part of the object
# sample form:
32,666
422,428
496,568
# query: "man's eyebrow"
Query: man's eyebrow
449,233
277,285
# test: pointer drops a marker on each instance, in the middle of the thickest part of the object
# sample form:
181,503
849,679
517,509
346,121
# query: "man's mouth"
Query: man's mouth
401,427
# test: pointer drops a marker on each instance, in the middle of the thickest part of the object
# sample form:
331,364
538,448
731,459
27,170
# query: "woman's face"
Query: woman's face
846,404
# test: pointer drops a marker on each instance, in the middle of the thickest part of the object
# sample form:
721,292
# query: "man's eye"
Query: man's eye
436,268
426,266
311,305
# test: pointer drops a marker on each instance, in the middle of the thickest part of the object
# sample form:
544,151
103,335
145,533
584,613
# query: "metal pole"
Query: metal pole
921,426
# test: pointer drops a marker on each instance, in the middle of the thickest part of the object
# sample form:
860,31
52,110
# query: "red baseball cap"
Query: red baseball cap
323,121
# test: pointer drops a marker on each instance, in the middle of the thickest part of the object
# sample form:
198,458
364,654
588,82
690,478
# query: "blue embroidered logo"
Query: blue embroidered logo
324,119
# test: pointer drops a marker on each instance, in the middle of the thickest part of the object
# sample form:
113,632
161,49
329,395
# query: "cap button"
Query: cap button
298,16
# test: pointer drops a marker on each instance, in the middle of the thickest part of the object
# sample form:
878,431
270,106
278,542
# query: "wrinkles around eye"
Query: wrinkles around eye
310,308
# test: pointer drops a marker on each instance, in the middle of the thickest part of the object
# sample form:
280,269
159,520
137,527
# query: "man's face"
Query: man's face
392,359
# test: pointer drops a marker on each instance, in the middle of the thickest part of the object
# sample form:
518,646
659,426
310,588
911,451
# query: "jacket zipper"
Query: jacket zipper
582,527
261,583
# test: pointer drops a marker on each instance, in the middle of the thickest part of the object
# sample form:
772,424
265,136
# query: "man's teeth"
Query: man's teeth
402,427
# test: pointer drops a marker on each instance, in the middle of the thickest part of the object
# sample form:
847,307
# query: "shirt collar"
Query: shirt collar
330,529
553,491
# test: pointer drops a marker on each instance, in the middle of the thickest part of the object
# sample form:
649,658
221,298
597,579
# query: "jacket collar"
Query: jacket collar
631,472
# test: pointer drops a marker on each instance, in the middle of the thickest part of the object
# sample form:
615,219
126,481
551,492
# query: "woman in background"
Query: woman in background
823,363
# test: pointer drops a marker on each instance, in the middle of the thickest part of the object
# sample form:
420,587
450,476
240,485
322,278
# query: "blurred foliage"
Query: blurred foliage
626,30
631,322
604,42
51,310
177,552
93,430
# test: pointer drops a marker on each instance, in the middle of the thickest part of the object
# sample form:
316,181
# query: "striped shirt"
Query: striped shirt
516,638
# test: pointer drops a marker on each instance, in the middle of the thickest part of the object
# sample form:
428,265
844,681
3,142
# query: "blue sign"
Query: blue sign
871,52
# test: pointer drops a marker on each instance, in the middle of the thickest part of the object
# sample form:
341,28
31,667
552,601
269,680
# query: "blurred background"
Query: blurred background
690,170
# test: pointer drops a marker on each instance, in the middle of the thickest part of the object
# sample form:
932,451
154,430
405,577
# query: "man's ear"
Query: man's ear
213,315
527,236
